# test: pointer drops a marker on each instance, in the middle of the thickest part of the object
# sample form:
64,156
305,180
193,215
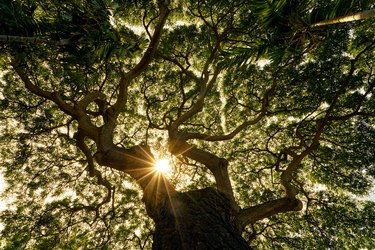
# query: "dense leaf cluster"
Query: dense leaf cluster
276,90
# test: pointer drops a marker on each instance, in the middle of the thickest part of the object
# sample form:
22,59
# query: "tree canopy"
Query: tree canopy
266,119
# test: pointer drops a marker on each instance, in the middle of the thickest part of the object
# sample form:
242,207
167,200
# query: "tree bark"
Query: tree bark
349,18
218,166
138,162
200,219
253,214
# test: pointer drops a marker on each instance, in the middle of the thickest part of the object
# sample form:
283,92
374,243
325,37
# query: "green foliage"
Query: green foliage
18,18
349,159
54,203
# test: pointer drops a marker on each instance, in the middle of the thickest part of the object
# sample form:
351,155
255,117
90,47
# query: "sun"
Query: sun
162,166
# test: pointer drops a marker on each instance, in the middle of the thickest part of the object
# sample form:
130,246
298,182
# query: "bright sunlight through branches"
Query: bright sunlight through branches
162,166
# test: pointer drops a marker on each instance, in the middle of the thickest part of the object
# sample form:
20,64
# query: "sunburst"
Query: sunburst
162,166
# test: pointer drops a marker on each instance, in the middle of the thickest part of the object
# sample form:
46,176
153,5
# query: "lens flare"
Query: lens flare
162,166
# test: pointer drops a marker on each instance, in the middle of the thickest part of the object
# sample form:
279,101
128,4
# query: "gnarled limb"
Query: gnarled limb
138,162
244,125
253,214
205,86
19,65
74,111
87,99
93,172
286,176
186,71
231,135
126,78
218,166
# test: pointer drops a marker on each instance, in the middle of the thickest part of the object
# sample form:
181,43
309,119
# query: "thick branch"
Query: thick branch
349,18
19,67
138,162
88,98
187,72
244,125
253,214
286,176
357,111
206,86
77,111
218,166
126,78
105,140
93,172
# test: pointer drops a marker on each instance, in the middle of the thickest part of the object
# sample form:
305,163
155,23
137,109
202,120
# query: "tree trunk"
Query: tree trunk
357,16
200,219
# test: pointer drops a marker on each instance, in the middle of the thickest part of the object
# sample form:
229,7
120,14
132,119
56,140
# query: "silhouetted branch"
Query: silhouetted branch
253,214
